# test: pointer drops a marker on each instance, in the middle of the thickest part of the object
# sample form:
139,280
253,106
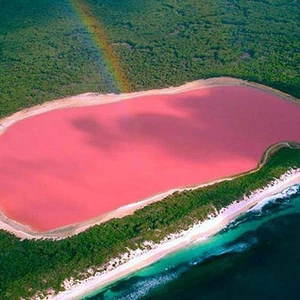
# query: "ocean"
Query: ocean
255,256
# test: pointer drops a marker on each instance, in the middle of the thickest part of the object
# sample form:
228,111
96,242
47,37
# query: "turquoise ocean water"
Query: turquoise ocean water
256,255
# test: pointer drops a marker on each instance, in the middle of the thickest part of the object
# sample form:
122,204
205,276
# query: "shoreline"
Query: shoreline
25,232
197,233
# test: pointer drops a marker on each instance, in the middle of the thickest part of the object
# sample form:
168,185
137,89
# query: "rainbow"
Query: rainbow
101,41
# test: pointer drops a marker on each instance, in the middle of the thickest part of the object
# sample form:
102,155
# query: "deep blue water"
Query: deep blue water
256,256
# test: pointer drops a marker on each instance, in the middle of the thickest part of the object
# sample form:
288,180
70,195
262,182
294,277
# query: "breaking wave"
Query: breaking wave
266,207
283,197
139,286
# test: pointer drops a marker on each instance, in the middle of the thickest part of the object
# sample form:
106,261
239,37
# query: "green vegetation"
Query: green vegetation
46,51
28,266
175,41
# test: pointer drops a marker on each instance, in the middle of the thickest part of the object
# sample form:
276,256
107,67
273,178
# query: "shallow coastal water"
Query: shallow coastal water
257,255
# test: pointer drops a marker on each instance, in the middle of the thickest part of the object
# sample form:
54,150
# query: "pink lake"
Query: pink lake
74,164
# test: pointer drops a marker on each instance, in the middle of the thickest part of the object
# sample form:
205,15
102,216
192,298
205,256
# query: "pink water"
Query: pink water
70,165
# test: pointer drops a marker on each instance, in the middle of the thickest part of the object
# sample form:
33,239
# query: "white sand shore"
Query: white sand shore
136,260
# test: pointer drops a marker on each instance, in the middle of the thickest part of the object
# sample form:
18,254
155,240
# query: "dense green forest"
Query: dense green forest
28,266
173,41
47,51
